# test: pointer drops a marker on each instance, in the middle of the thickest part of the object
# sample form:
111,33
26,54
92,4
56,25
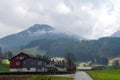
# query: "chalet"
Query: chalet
25,63
59,63
34,64
16,62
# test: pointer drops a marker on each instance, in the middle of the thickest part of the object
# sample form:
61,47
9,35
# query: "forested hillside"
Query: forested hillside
83,50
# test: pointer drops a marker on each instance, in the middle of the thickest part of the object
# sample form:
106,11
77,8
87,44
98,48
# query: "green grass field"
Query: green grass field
82,64
5,61
4,67
105,74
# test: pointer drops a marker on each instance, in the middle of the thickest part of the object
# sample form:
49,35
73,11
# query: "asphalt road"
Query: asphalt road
81,75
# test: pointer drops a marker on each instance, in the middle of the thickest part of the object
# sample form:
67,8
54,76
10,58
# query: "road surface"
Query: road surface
81,75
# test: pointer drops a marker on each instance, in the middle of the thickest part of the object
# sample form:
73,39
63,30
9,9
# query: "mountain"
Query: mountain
116,34
36,31
57,47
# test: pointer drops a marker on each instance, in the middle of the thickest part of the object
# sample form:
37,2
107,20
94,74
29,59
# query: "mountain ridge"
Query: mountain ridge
116,34
37,31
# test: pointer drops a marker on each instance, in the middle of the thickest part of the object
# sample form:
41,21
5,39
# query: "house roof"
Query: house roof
83,68
18,55
36,59
29,57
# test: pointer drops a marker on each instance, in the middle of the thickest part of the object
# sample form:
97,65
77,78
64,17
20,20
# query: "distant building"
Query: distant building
98,67
116,64
84,68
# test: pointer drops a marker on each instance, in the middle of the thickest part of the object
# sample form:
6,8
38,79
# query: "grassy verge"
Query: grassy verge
33,77
105,74
4,67
49,78
5,61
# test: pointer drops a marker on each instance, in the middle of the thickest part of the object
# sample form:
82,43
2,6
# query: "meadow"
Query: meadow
105,74
4,66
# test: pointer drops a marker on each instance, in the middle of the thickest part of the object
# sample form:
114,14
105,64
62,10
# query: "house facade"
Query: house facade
25,63
16,62
32,64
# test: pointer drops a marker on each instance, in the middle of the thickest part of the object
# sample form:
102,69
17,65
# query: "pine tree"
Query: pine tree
70,62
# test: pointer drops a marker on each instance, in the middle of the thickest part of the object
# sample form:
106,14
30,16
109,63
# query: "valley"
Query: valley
41,41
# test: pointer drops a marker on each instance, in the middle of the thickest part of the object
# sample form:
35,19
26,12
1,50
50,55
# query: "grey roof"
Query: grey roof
84,68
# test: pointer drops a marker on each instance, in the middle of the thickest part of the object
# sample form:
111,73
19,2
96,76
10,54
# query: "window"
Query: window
32,62
39,62
28,68
17,63
21,58
24,62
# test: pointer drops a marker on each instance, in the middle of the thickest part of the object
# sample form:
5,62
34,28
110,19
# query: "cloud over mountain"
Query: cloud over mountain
89,18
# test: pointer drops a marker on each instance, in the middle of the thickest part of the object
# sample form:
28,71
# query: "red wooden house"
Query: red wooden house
16,62
25,63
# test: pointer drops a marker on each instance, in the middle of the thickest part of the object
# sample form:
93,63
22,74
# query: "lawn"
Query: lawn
105,74
82,64
5,61
33,77
4,67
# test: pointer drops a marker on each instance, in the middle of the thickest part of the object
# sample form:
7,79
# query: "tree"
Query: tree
100,60
70,62
45,57
63,62
10,54
22,47
1,53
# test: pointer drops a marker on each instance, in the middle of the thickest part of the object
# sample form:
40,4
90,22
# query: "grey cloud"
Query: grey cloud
81,17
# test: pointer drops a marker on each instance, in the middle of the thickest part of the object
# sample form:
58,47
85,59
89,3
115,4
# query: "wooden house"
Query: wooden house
16,62
25,63
32,64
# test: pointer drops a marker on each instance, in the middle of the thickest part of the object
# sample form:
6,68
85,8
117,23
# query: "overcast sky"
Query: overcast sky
87,18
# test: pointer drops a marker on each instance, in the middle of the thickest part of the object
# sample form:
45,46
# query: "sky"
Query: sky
87,18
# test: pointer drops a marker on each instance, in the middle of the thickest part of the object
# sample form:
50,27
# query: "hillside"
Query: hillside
57,47
32,51
37,31
116,34
83,50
